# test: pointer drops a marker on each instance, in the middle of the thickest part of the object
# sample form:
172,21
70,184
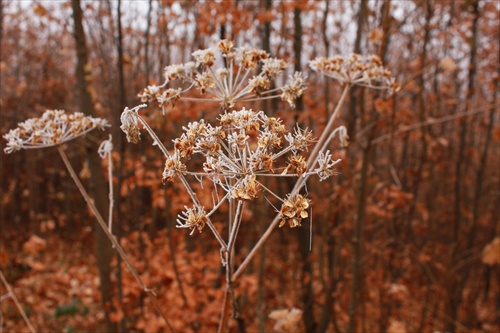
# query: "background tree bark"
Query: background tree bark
97,180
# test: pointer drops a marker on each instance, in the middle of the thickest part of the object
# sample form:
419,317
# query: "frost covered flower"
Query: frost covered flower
356,70
53,128
226,75
130,125
173,165
294,88
325,165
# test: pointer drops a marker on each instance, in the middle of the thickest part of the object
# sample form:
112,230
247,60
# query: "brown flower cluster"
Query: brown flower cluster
294,210
356,70
192,218
245,145
228,75
53,128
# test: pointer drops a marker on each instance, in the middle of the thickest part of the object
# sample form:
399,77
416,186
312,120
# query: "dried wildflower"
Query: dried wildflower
204,58
246,189
168,98
204,81
225,46
259,84
245,146
272,67
237,78
173,165
300,139
297,163
192,218
184,146
325,165
293,89
129,125
356,70
150,93
294,209
53,128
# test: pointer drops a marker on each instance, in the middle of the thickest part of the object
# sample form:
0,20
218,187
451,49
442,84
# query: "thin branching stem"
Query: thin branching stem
313,159
16,302
108,233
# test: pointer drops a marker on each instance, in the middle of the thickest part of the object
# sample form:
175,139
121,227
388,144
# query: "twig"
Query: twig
16,302
428,123
313,159
108,233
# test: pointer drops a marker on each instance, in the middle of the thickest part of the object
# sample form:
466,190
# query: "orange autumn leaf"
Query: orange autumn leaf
491,252
34,245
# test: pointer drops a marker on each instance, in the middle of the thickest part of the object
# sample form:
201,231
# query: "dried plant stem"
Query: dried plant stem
192,194
430,122
108,233
16,302
229,252
323,139
225,311
111,198
313,159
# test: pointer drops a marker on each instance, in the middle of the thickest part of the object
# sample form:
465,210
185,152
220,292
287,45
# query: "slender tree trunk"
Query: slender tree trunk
459,280
120,147
147,68
98,191
357,241
303,236
422,114
353,98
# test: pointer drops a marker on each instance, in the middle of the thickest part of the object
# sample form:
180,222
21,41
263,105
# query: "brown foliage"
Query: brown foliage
430,233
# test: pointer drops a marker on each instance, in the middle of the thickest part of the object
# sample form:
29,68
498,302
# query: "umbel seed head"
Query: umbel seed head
53,128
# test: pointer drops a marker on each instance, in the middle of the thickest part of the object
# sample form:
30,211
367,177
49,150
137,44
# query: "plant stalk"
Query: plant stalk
108,233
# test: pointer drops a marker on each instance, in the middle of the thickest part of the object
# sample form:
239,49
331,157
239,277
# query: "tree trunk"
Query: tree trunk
357,241
353,98
457,283
120,147
97,179
303,235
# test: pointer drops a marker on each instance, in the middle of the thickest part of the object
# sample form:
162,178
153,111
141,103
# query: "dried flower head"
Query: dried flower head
294,210
246,189
245,145
130,125
227,75
173,165
325,165
53,128
356,70
192,218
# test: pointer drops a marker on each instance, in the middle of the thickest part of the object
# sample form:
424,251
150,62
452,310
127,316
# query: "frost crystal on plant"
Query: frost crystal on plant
53,128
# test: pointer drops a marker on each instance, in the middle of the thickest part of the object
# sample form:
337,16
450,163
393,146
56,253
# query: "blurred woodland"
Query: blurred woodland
406,238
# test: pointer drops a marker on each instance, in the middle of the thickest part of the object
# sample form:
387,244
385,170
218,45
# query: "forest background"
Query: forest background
406,238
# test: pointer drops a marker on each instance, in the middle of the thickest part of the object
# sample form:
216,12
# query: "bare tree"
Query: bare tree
86,104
